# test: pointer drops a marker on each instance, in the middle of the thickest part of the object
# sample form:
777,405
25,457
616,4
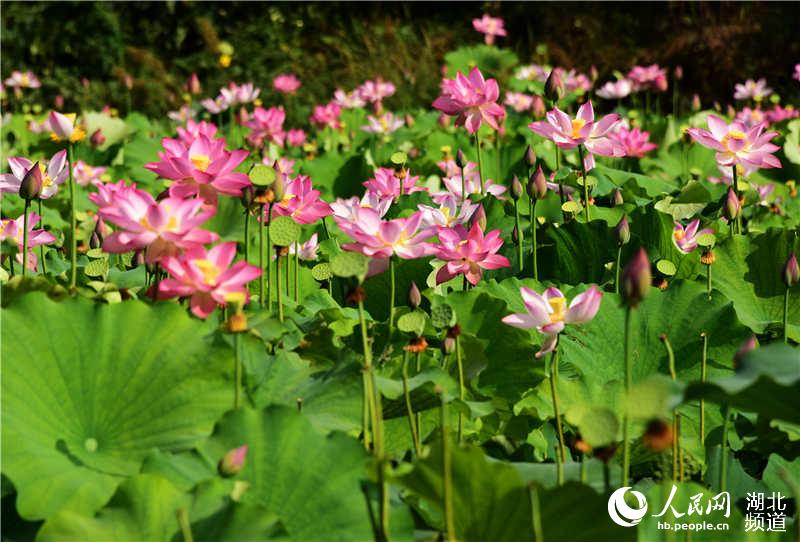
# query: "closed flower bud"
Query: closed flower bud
537,185
454,331
791,273
516,188
678,72
636,279
479,218
193,84
538,107
622,231
138,258
448,345
553,87
461,160
97,138
248,196
696,105
94,240
747,346
232,462
278,187
515,235
732,205
414,297
618,199
708,257
530,157
593,73
409,120
32,182
58,102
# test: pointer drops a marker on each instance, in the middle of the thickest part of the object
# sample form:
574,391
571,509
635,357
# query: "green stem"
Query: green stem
463,187
296,272
278,288
708,281
262,283
247,237
676,450
626,445
532,206
585,184
616,269
723,460
237,371
583,468
561,459
287,269
412,424
785,314
25,238
418,415
704,336
461,389
73,221
269,250
185,525
536,514
392,294
480,162
41,247
519,235
736,191
447,476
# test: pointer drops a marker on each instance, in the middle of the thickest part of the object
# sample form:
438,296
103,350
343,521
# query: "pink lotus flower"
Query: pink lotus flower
532,72
204,168
53,175
764,191
301,202
583,130
573,81
347,209
752,90
472,184
184,114
650,77
468,253
239,94
490,27
796,74
295,137
284,166
266,126
634,142
375,91
549,313
193,130
19,80
387,184
726,174
381,239
472,99
383,124
448,214
208,277
84,174
13,230
751,117
615,90
518,101
308,250
215,105
348,100
286,83
64,127
163,228
686,238
327,115
779,114
736,144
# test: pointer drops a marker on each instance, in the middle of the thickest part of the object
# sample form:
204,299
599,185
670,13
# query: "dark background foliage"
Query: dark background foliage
83,50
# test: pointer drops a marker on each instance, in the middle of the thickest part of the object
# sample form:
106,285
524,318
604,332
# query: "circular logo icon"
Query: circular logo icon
621,513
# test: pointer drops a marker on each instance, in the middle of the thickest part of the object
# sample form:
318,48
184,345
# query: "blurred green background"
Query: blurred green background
84,50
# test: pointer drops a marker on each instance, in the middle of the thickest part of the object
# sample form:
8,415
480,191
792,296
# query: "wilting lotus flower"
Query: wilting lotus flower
206,276
381,239
348,100
193,130
752,90
375,91
489,27
518,101
163,228
389,183
266,126
54,175
686,238
736,144
204,168
84,174
295,137
64,128
634,142
301,202
582,130
327,115
650,77
472,99
549,313
615,90
215,105
468,253
13,230
448,214
286,83
347,209
383,124
19,80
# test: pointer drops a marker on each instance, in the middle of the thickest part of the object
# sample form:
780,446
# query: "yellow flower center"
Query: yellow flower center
225,60
680,234
577,126
559,306
25,80
209,270
200,161
733,134
46,179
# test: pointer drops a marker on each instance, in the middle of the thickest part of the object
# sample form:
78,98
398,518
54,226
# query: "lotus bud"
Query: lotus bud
138,258
593,73
658,435
678,72
414,296
31,185
538,107
622,231
278,187
791,272
58,102
444,120
747,346
530,157
732,205
248,196
448,345
232,462
479,218
126,79
94,240
409,120
636,279
618,199
515,235
97,138
537,185
516,188
193,84
454,331
461,160
731,111
553,87
696,105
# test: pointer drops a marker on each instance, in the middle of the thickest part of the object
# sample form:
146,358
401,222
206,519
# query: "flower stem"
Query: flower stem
519,236
723,460
247,236
25,238
287,269
412,423
237,371
533,238
447,476
708,281
461,389
185,525
262,283
561,459
269,260
480,162
785,315
676,445
704,336
736,191
536,513
585,184
616,269
463,187
626,445
41,247
73,276
418,415
278,288
391,295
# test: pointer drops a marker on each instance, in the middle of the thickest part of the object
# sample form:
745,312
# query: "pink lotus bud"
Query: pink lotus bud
479,218
461,160
791,272
448,345
538,107
515,235
58,101
444,120
193,84
732,205
731,111
622,231
97,138
593,74
530,157
32,182
747,346
409,120
516,188
233,462
553,87
94,241
618,199
696,105
636,279
414,296
537,185
678,72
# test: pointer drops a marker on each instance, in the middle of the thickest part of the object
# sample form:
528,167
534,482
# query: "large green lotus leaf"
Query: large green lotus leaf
89,389
574,253
653,230
298,473
779,471
749,272
652,186
766,382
